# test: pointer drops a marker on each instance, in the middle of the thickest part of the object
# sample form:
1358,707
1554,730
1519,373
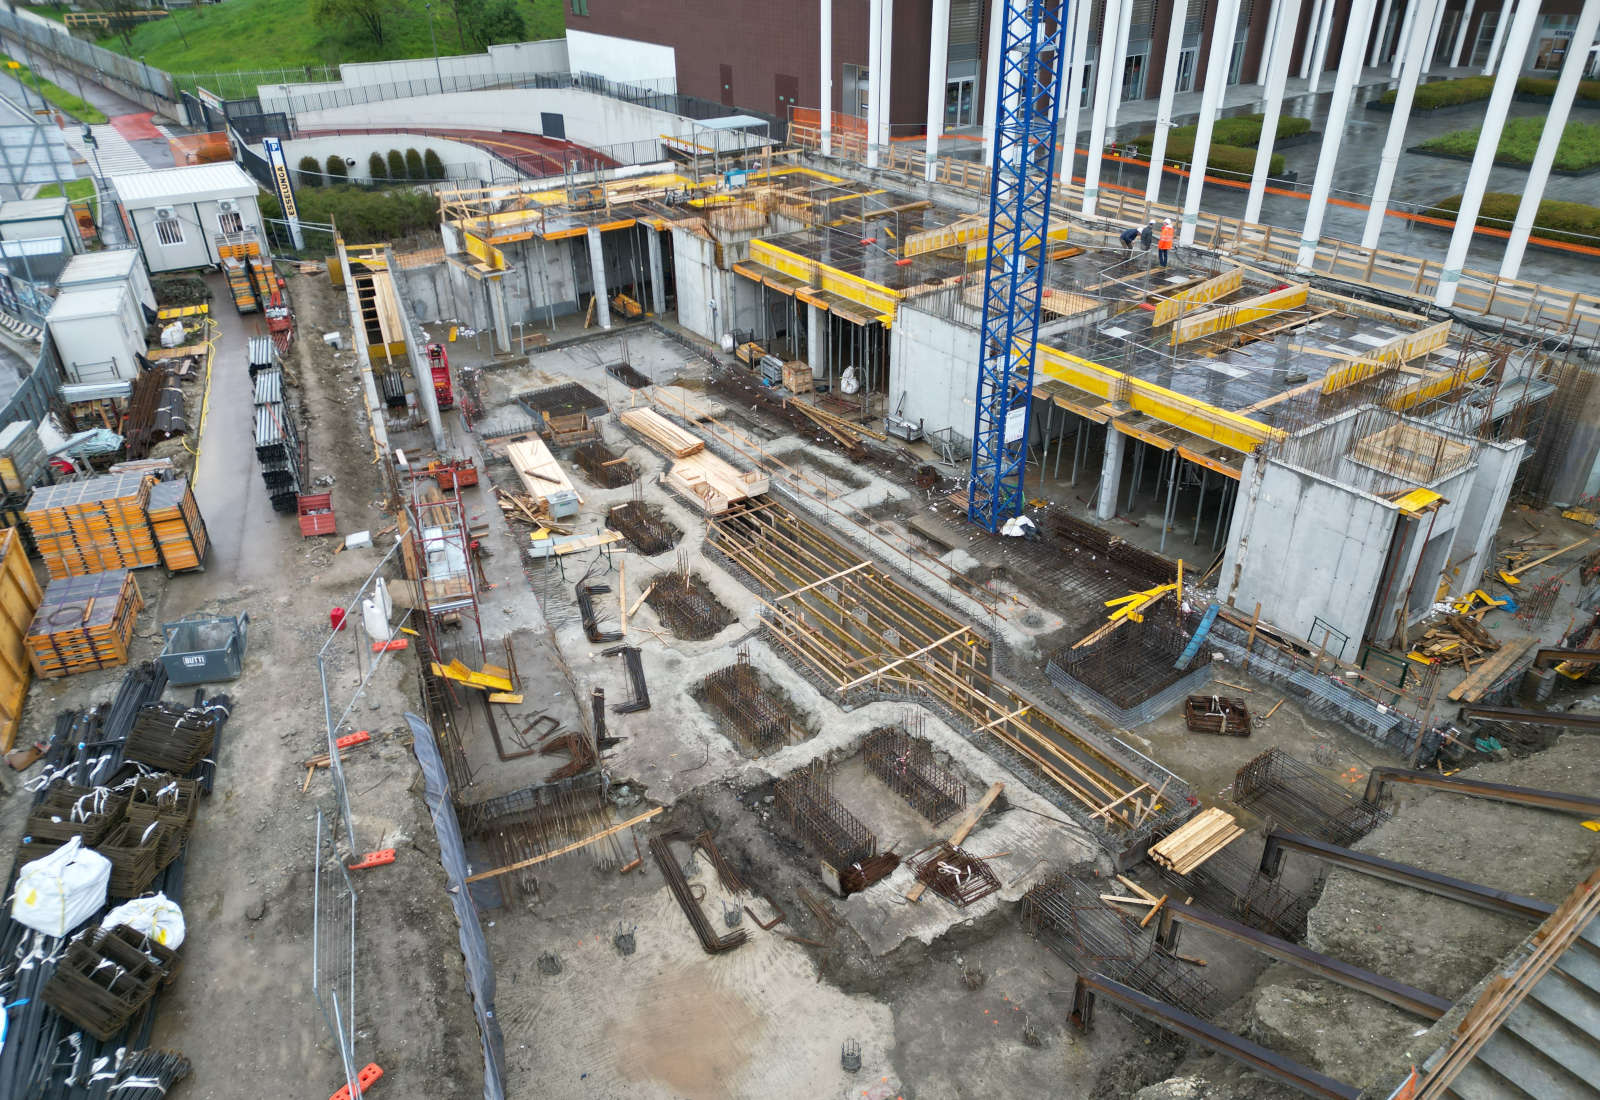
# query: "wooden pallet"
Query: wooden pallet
19,601
662,433
538,470
180,531
83,527
1196,840
84,623
713,484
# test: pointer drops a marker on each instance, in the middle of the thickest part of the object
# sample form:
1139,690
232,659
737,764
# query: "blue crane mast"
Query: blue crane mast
1033,52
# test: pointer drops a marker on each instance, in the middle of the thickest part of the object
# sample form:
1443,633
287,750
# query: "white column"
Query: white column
938,55
1494,120
1105,67
1396,141
1499,38
1433,39
1461,34
1344,83
1277,78
1123,25
597,275
1210,100
1324,34
658,279
1267,43
991,78
1105,505
1313,28
1408,26
825,50
1380,39
1169,88
1080,56
1555,122
816,340
874,78
885,64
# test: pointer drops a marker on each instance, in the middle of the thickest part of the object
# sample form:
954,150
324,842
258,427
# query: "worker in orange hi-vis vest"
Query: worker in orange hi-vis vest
1164,242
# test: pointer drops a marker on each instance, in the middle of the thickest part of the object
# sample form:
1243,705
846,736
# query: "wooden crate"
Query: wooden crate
19,601
797,377
84,623
83,527
180,530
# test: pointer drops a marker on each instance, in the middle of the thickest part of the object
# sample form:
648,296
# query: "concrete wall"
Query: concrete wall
461,161
625,60
933,363
712,300
1483,510
500,62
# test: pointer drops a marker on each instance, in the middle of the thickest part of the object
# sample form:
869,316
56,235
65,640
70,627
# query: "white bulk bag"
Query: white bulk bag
57,893
158,917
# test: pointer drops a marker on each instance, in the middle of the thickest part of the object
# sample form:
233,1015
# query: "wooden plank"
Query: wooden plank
964,829
1479,680
565,848
908,657
1521,569
1118,801
538,470
825,580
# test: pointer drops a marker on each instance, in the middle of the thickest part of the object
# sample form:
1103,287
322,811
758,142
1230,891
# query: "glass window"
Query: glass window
169,231
229,221
1236,63
1186,60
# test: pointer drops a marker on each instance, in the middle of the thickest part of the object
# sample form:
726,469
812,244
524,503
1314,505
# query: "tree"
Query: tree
366,17
397,165
375,167
499,21
310,172
337,172
414,165
432,166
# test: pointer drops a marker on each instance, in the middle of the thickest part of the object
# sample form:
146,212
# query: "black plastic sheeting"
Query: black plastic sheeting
474,948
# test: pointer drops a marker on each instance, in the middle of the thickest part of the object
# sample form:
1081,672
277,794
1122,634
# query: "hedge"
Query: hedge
1231,161
1579,148
1447,93
1243,130
363,214
375,167
336,168
397,164
1534,85
1557,221
433,167
310,172
414,165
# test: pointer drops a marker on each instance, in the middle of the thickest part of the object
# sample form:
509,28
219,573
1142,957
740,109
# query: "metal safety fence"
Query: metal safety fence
105,65
333,946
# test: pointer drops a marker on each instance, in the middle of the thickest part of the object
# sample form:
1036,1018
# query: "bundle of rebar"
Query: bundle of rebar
825,826
726,875
105,976
591,619
645,526
735,692
906,765
863,873
579,749
602,466
1291,793
639,691
713,943
956,875
1534,604
1216,714
171,738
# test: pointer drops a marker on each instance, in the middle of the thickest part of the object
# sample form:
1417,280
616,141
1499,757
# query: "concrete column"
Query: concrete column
1080,55
497,315
1210,101
1344,83
1461,34
1324,34
1277,77
875,85
991,78
658,279
1381,38
1408,26
1499,39
1106,66
1433,39
938,56
885,65
1308,54
816,340
597,274
1123,26
825,52
1555,122
1395,142
1105,505
1494,121
1169,86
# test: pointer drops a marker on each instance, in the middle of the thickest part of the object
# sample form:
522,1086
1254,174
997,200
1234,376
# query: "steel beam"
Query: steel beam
1402,996
1405,874
1242,1050
1566,719
1477,788
1544,658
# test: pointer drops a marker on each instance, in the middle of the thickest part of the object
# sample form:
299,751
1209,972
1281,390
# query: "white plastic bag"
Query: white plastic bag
157,917
375,621
57,893
172,335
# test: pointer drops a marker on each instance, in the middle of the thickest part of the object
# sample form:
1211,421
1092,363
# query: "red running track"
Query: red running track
532,154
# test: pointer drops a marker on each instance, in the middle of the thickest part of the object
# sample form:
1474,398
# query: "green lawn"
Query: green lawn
67,102
246,35
1579,148
77,191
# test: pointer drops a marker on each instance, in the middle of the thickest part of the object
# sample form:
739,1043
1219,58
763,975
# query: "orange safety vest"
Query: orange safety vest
1166,238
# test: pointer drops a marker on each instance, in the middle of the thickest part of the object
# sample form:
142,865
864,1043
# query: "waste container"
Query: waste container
204,650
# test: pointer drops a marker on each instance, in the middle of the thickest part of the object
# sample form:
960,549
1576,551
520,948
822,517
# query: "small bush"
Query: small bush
1519,141
376,168
1228,161
1244,131
397,164
363,214
432,166
1574,222
1533,85
336,169
310,172
414,165
1447,93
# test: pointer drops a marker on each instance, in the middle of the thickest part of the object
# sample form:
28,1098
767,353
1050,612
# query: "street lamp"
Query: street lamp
439,70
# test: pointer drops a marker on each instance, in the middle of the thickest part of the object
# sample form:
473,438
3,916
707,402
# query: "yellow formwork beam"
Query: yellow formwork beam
1239,313
876,297
1402,349
1219,286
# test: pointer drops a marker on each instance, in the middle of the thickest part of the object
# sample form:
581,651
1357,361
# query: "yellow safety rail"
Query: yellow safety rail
1219,286
1402,349
1251,309
876,297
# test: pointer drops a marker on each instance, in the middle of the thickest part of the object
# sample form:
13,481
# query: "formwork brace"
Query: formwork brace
1583,805
1191,1027
1404,874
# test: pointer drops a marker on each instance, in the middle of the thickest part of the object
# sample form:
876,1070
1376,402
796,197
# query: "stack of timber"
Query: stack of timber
540,473
698,474
90,526
1195,841
19,601
84,623
1457,638
180,530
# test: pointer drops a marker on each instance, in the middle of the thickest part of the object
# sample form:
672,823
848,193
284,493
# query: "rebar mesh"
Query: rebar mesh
736,694
907,766
646,526
829,829
601,466
1231,882
686,605
1291,793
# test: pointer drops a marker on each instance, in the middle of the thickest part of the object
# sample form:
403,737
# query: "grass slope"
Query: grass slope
1579,148
77,191
273,34
58,97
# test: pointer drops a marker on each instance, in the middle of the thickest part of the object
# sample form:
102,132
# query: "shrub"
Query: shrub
310,172
376,168
414,165
1533,85
433,167
1519,141
336,169
1447,93
1244,130
1229,161
363,214
397,164
1557,221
